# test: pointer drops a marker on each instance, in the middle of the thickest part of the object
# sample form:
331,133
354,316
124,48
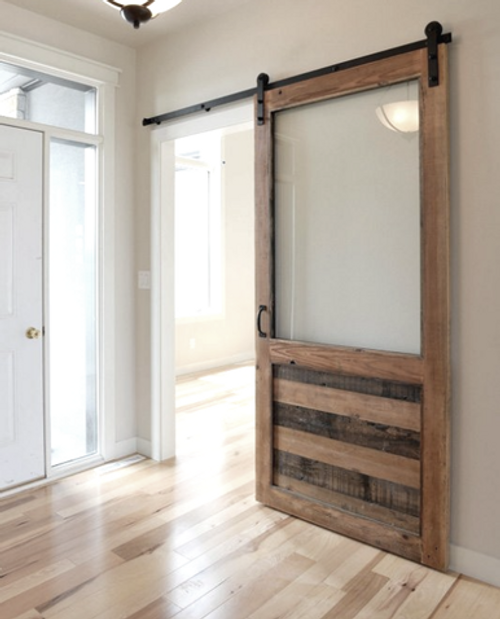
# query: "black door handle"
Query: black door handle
262,309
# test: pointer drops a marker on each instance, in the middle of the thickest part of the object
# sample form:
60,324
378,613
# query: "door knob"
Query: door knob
32,333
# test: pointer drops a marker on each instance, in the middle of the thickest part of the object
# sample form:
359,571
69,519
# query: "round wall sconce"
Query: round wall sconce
400,116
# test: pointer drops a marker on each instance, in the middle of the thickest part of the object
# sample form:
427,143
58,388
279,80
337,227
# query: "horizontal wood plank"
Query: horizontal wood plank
350,457
386,494
381,387
363,77
350,504
345,360
367,407
349,430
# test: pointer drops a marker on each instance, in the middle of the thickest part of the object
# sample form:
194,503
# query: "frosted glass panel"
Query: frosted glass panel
72,301
347,224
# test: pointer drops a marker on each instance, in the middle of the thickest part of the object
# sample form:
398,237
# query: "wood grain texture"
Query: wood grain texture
264,221
352,484
395,69
384,388
349,504
349,430
350,361
406,392
436,316
110,556
370,462
379,410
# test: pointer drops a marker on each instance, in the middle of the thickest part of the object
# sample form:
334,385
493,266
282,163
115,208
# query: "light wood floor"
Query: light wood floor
186,539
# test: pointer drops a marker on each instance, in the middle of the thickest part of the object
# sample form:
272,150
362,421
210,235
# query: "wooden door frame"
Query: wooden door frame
431,368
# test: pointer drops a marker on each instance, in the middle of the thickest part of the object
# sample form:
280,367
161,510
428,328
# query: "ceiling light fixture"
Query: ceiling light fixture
141,13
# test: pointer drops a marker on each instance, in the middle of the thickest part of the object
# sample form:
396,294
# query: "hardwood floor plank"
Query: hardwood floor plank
48,591
130,586
237,571
356,560
427,587
315,605
392,598
357,596
249,524
326,554
28,582
183,529
250,598
237,556
159,609
185,539
470,599
30,614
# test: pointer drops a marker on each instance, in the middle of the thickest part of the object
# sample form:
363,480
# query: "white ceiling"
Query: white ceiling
97,17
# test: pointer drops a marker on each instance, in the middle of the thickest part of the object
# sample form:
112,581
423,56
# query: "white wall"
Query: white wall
284,38
35,28
229,336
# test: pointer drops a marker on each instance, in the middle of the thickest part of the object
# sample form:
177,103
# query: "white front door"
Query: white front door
22,443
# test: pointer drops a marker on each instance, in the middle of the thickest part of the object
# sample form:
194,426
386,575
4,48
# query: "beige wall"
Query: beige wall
283,38
48,32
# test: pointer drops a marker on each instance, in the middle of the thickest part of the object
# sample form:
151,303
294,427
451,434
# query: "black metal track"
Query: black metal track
246,94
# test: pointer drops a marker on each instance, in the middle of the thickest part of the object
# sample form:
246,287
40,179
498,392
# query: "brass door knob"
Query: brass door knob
32,333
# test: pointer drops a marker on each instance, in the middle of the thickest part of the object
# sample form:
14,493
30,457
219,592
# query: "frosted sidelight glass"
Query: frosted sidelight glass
347,225
73,301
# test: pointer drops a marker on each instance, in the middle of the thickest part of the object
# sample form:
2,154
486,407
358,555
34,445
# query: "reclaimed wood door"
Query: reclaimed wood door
352,301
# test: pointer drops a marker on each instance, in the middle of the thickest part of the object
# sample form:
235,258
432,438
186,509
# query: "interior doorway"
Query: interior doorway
214,281
214,249
219,331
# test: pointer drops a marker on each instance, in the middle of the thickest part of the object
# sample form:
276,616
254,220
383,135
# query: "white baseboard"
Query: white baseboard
474,564
131,446
122,449
215,363
144,447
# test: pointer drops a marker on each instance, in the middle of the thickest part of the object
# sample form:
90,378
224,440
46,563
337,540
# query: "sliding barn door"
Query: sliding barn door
352,293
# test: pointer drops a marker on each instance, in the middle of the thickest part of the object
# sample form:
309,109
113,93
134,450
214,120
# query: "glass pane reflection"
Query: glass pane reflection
347,224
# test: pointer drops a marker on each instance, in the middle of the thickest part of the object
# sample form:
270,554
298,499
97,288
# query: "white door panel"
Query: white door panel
21,359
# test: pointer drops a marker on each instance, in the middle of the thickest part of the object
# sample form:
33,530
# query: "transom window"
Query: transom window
29,95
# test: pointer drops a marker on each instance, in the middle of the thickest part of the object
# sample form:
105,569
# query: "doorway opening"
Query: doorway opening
214,277
205,176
